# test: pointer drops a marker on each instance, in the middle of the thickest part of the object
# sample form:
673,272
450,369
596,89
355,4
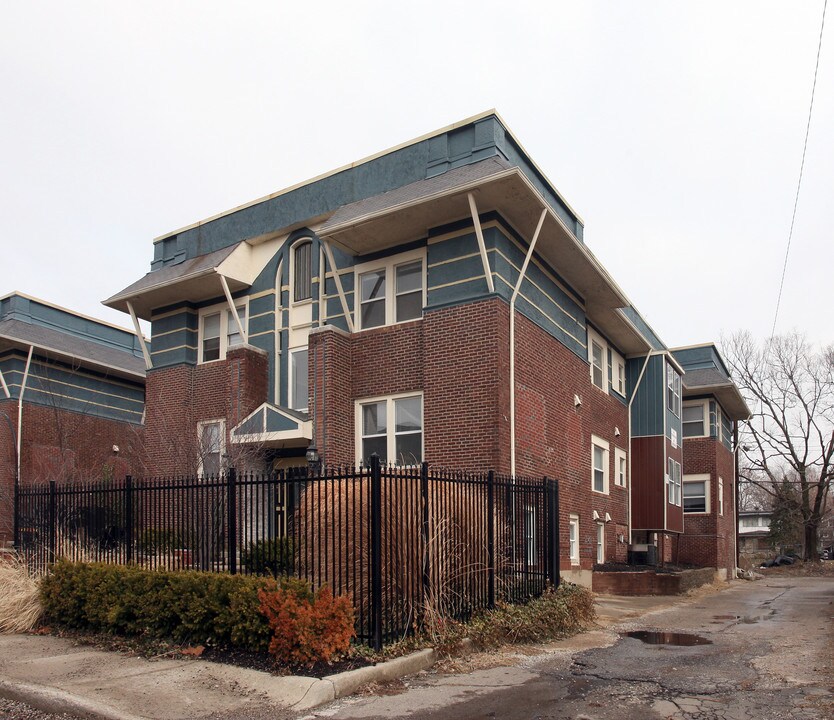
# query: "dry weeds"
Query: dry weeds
20,606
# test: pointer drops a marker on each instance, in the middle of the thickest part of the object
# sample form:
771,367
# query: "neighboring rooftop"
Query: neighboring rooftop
55,331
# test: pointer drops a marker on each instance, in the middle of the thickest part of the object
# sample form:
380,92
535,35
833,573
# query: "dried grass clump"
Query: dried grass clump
20,605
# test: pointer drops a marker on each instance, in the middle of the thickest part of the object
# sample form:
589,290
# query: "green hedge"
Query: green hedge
186,607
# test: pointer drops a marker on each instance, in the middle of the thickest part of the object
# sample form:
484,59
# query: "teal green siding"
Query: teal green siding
61,386
649,403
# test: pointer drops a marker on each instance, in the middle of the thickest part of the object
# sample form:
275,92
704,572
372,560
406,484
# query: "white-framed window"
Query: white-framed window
673,482
673,390
299,391
530,534
719,424
599,465
721,496
618,377
211,442
695,418
390,291
696,494
620,467
391,427
573,539
597,352
301,269
218,330
600,543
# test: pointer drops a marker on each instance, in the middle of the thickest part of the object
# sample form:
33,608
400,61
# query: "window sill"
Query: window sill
605,493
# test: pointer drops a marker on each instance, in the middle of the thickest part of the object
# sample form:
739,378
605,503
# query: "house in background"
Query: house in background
434,302
71,398
754,541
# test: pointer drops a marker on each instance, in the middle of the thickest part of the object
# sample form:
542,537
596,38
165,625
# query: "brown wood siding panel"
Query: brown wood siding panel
647,490
674,514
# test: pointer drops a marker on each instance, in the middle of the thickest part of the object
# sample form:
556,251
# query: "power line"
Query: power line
801,169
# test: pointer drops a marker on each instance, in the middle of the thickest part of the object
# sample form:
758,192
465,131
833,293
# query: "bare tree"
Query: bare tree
790,388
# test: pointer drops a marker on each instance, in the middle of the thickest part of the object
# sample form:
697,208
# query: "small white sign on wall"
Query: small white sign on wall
674,438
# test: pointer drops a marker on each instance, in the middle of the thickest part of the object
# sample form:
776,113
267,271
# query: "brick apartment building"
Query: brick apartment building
71,398
433,302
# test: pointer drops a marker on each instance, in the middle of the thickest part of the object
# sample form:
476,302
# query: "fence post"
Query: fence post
128,519
552,489
376,551
16,536
231,522
53,518
491,539
424,498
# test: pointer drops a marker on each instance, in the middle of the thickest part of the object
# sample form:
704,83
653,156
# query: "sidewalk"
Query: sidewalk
55,675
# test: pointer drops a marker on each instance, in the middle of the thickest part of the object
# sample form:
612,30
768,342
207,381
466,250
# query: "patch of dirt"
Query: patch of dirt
375,689
821,568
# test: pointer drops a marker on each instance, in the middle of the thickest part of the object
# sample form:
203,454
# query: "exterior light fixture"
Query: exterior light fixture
313,459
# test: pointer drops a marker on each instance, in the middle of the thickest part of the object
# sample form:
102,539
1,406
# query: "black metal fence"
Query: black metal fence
408,545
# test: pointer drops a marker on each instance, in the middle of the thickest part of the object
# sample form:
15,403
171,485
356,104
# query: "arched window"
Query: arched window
302,264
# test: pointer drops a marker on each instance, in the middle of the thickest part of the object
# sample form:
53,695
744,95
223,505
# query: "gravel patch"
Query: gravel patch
10,710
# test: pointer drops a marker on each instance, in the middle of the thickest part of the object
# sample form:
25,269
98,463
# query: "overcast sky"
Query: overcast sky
674,129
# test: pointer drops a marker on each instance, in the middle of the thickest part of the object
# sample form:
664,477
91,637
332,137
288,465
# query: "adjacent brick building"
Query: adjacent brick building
435,302
71,398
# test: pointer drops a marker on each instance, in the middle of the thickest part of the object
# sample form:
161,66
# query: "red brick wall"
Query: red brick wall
62,445
709,540
179,397
459,358
554,437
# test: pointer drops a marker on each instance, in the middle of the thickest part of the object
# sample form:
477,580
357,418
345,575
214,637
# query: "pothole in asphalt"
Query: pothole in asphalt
653,637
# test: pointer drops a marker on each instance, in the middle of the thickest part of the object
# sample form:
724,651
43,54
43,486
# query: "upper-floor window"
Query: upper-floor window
599,465
673,390
302,265
695,416
618,379
620,467
607,365
597,375
390,291
696,494
673,482
391,427
219,331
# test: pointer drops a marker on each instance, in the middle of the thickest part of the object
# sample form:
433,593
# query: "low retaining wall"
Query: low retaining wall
650,582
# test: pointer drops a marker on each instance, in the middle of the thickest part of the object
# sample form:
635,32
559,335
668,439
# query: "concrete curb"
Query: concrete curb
338,686
53,700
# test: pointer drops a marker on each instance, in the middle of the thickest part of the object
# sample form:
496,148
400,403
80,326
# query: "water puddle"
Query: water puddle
652,637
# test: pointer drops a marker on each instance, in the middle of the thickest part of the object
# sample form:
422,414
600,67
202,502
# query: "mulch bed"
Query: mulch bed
157,649
623,567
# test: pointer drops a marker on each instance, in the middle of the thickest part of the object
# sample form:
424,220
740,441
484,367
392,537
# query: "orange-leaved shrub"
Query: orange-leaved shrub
306,627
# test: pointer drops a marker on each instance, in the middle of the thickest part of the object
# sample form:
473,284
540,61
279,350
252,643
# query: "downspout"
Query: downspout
20,410
630,478
516,290
735,484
